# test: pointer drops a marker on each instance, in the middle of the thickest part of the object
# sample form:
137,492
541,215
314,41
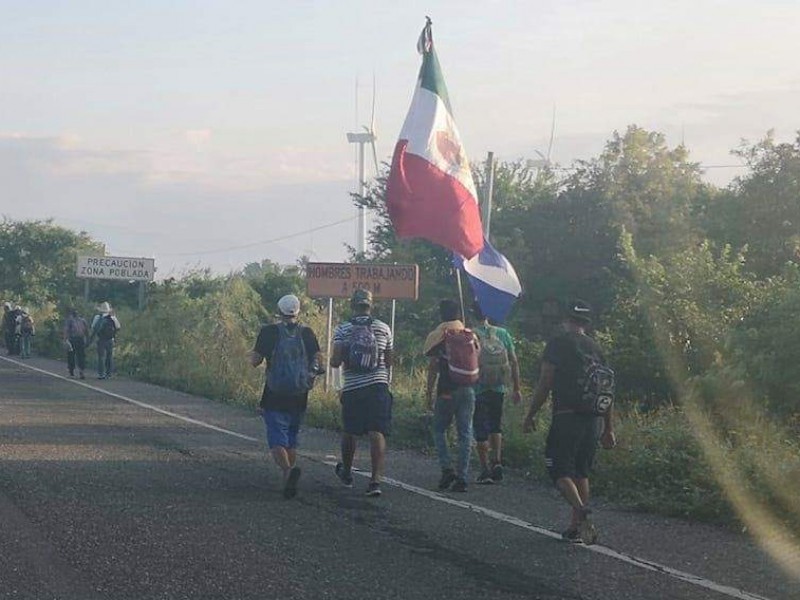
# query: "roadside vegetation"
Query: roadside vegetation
697,289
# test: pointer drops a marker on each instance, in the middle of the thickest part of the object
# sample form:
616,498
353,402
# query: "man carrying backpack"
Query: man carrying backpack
497,361
453,369
292,356
76,332
364,346
9,325
105,326
575,370
26,329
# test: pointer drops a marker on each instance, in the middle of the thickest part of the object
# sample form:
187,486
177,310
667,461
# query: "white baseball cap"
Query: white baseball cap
289,305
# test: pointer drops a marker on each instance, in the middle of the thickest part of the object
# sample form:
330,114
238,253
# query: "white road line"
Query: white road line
641,563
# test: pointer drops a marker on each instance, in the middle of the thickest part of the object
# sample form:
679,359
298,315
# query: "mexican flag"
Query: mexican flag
430,192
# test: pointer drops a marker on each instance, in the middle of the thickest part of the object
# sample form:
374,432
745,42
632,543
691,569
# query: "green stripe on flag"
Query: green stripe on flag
431,78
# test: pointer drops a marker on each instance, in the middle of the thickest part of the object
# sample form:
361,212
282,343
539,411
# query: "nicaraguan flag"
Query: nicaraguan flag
494,281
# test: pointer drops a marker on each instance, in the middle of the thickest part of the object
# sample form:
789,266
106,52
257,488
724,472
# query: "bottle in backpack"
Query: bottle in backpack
288,368
596,388
493,361
362,347
461,353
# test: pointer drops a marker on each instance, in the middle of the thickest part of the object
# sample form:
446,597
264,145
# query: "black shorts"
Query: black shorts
571,445
367,409
488,416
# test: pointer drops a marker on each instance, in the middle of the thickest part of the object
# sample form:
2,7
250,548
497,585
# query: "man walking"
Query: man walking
574,369
27,329
453,369
9,325
364,346
76,331
105,326
498,361
292,356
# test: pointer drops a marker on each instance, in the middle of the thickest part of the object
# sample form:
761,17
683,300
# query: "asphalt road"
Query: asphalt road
101,497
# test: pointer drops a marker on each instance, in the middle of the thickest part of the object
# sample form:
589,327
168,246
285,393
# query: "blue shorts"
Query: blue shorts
367,409
282,427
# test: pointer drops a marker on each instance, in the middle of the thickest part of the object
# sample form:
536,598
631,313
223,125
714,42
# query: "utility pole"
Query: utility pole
487,195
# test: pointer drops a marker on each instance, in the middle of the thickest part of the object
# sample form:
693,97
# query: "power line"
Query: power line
264,242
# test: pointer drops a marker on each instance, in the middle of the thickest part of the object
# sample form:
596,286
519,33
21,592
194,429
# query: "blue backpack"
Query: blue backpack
362,352
288,368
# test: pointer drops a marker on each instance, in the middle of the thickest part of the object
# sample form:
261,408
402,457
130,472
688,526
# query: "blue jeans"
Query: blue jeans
105,357
25,349
460,406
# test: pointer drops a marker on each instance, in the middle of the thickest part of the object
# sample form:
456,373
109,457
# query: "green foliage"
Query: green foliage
683,304
38,261
195,344
762,209
766,344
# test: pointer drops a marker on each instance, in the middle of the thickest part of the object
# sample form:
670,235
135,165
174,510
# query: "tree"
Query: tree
761,210
38,260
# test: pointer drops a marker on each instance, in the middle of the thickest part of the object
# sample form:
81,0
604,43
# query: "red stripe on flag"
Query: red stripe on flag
424,201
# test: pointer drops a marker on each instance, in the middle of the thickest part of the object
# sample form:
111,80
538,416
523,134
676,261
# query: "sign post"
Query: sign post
117,268
339,280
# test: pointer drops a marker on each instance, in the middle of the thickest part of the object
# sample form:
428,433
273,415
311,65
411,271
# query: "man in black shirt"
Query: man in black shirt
292,354
573,435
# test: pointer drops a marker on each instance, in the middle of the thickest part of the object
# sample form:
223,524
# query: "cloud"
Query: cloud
130,201
198,137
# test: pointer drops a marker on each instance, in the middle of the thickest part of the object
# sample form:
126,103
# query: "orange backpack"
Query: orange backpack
461,352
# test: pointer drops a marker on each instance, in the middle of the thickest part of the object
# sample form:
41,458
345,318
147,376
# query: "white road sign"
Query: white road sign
116,267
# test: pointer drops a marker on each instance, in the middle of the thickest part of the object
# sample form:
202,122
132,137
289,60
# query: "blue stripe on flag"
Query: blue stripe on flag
494,281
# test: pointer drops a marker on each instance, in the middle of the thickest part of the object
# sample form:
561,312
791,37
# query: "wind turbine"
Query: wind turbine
362,138
544,161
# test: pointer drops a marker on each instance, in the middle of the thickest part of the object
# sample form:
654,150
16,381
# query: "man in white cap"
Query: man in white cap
292,356
105,326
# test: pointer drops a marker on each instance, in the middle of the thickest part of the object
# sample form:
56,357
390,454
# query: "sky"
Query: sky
212,134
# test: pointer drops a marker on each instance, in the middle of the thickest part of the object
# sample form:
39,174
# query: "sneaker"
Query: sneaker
345,478
572,535
290,487
374,489
586,528
485,478
497,472
459,485
447,479
71,374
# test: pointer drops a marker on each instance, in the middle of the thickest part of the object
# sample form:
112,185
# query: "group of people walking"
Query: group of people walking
18,330
78,335
468,374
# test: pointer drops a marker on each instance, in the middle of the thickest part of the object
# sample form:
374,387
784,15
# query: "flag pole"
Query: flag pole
461,295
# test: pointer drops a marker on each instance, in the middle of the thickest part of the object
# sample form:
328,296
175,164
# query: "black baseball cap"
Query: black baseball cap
579,311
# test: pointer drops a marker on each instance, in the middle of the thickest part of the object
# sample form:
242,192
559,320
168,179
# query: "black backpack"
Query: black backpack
106,329
596,388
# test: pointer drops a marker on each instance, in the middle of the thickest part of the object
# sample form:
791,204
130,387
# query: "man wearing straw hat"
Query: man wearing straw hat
105,326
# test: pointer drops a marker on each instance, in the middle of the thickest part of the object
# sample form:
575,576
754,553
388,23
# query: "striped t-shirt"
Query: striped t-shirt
383,336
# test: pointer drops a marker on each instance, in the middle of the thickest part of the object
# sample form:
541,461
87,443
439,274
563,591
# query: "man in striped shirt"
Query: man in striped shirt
364,346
